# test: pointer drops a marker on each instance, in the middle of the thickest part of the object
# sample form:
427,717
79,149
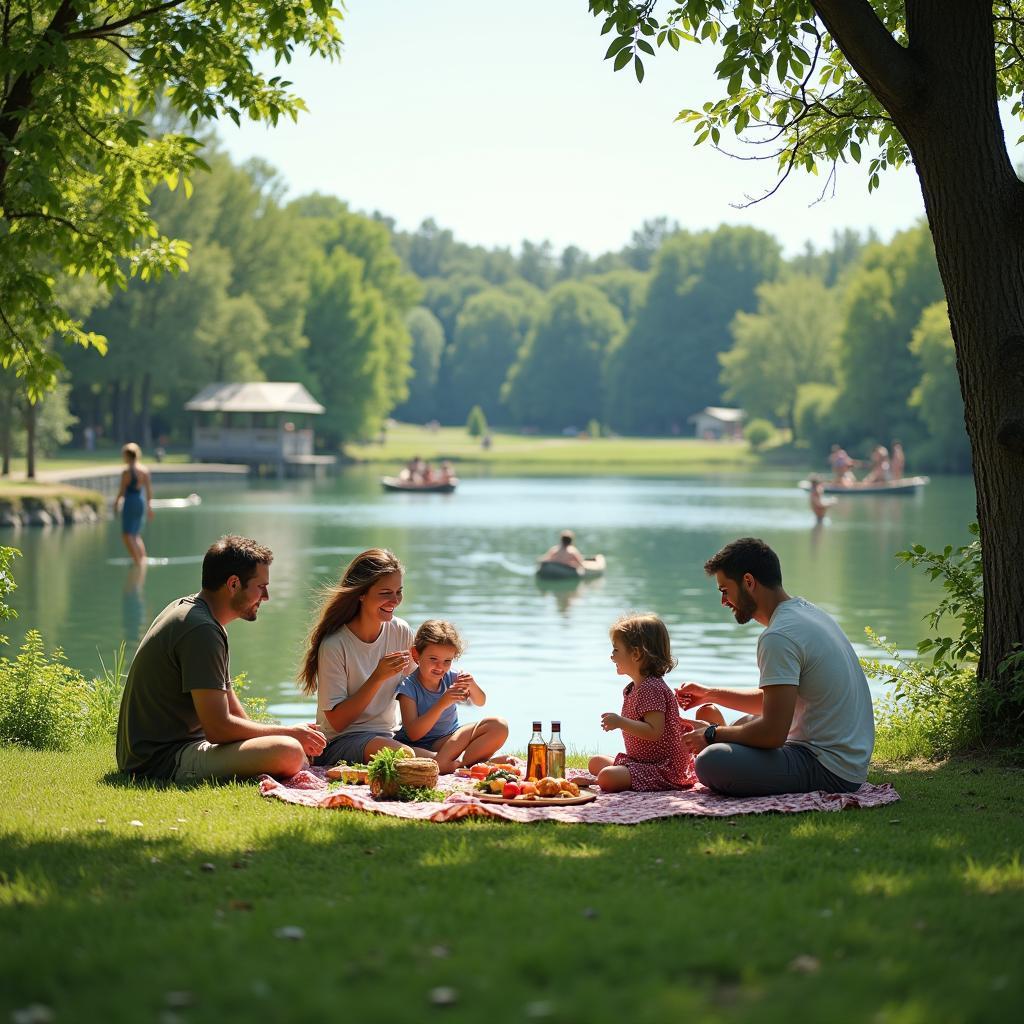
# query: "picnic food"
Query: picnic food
349,774
548,787
390,770
494,781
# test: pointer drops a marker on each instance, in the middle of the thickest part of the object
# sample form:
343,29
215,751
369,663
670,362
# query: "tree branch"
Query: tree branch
134,18
887,68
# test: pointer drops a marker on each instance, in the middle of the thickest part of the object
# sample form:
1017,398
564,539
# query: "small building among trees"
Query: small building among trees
715,423
260,424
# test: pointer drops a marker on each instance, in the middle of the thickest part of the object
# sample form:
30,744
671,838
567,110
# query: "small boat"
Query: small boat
189,502
396,483
906,485
591,568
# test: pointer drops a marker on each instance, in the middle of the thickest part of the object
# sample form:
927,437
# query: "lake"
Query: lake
540,650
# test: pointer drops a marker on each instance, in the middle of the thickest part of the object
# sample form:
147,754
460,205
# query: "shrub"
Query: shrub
594,429
7,585
476,423
940,707
758,433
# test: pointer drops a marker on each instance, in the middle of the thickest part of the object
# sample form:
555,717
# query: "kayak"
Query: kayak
906,485
394,483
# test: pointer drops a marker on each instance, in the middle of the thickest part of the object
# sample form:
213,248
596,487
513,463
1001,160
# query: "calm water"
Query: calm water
539,650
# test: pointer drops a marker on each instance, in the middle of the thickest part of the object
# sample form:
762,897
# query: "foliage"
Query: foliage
937,395
666,367
420,794
489,332
942,699
558,379
758,433
427,348
790,341
77,160
7,585
476,422
255,707
814,415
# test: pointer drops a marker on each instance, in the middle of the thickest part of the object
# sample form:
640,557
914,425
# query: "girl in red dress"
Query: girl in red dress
655,757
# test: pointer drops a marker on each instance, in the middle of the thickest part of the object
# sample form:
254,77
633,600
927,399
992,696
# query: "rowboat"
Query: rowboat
394,483
906,485
591,568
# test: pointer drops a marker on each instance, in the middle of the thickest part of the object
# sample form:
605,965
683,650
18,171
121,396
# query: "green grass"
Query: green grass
540,454
909,913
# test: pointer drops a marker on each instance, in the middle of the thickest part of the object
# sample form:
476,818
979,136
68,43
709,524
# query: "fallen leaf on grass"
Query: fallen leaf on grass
290,931
805,964
135,824
443,996
35,1013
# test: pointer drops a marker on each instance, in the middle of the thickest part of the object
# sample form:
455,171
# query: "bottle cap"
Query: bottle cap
536,726
556,726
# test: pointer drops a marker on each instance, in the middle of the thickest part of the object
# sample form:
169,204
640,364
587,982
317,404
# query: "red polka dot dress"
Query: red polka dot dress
662,764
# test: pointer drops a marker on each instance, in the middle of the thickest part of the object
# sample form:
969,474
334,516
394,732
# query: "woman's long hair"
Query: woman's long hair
340,605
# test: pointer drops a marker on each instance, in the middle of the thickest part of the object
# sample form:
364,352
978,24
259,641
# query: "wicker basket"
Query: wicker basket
411,771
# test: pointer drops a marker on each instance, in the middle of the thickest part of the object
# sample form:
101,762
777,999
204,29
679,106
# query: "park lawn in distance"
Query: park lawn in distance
911,913
588,456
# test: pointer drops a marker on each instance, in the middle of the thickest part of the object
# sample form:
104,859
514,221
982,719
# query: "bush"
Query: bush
815,422
7,586
941,707
476,423
758,433
594,429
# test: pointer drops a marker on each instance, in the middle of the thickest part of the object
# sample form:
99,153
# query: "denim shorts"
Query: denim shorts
349,746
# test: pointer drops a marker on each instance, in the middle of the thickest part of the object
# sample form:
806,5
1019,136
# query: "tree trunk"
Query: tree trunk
975,207
145,426
6,432
31,411
116,433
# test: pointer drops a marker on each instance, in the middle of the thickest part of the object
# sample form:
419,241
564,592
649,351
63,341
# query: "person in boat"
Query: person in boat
881,469
565,552
446,474
135,501
842,466
897,461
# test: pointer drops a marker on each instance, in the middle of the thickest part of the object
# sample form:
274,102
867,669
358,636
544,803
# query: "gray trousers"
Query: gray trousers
736,770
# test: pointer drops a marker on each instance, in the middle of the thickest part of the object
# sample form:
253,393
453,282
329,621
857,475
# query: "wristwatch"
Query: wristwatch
709,734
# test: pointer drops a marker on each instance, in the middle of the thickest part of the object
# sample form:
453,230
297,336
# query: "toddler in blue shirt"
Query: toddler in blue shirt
427,700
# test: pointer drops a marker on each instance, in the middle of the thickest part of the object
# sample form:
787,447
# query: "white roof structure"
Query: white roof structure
257,396
717,412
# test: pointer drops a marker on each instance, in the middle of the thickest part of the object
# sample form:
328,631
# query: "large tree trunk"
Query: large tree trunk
975,206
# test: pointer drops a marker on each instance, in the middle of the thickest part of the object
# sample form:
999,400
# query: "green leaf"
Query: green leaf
624,57
638,67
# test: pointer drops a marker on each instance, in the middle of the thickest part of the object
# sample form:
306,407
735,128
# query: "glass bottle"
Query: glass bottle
556,752
536,755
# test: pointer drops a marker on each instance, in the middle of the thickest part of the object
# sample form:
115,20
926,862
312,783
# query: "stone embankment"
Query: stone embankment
62,507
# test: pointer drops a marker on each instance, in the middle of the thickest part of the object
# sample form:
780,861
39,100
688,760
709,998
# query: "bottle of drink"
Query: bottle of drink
556,752
536,755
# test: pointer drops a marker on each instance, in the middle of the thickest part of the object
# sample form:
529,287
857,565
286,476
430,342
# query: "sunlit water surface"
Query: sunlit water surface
540,650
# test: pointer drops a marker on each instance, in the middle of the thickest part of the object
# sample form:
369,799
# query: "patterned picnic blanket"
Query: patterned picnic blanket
311,789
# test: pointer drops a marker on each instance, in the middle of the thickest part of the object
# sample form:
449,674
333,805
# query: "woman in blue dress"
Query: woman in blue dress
135,499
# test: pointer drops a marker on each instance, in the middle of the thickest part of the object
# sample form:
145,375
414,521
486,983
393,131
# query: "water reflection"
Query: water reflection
134,619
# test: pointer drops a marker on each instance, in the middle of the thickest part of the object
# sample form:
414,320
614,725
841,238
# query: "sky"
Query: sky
503,122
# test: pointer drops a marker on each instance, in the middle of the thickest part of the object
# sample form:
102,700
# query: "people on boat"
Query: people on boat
842,466
134,500
881,468
809,725
565,552
446,474
898,460
820,504
413,471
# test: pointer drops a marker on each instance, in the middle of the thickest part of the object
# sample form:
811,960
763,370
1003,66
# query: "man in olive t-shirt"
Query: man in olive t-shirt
180,719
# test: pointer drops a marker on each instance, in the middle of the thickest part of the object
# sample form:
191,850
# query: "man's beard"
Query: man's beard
246,610
745,607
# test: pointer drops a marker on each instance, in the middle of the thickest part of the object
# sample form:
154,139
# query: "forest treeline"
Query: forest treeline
850,344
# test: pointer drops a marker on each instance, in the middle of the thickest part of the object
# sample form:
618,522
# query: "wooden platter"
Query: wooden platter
585,797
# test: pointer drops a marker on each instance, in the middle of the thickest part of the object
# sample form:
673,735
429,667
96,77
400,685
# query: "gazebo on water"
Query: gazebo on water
261,423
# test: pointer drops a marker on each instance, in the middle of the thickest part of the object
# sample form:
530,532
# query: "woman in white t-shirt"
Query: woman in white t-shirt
356,655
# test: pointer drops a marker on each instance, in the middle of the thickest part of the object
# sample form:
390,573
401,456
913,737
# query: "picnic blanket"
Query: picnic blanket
311,789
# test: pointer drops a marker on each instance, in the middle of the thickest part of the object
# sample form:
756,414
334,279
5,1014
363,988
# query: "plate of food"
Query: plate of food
545,791
349,774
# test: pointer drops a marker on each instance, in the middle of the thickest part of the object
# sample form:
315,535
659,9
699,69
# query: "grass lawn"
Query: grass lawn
909,913
540,454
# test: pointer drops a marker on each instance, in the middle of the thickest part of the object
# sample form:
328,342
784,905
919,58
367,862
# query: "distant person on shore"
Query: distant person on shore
897,461
134,500
809,726
180,719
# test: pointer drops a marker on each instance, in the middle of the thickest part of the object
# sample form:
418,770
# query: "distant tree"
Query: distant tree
647,241
757,433
489,333
428,250
666,367
558,378
445,297
831,263
623,288
937,396
788,342
537,264
476,422
573,263
882,304
427,347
